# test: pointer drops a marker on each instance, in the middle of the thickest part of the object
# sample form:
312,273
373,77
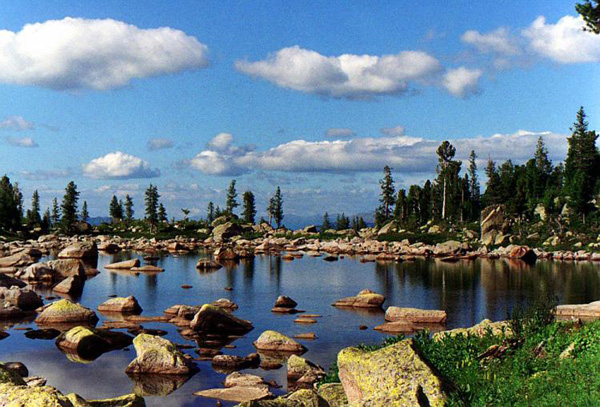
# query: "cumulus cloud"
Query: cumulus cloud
77,53
220,157
339,132
221,141
403,153
159,143
394,131
119,165
463,82
564,42
498,41
26,142
344,76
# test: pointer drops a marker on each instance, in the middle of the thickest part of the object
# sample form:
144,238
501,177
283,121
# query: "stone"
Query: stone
89,343
53,271
225,254
66,312
8,282
415,315
523,253
225,303
21,259
124,305
148,268
285,302
238,394
364,299
274,341
207,264
123,265
80,250
225,232
584,311
109,247
299,398
311,336
157,355
302,373
481,329
390,227
9,312
44,334
211,319
17,367
397,327
493,224
392,376
334,394
70,285
233,362
149,385
22,298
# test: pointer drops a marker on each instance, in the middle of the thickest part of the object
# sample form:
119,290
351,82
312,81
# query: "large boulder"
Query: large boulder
225,231
302,373
10,376
225,254
390,227
589,311
22,298
274,341
53,271
80,250
124,305
158,356
66,312
240,388
364,299
392,376
523,253
20,259
493,225
415,315
300,398
480,329
212,319
70,286
90,343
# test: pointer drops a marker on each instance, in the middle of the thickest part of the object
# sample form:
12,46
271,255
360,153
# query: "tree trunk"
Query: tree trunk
444,201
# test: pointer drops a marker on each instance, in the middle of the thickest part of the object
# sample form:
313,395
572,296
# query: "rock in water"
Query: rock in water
123,265
364,299
9,376
415,315
275,341
393,376
22,298
240,387
285,302
66,312
8,282
523,253
212,319
80,250
225,304
91,343
69,285
158,356
125,305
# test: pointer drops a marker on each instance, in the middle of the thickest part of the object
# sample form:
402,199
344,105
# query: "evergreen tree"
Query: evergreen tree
231,202
129,208
326,225
34,217
342,222
85,215
492,193
249,207
448,179
277,207
18,199
590,14
45,223
387,197
361,223
10,218
210,212
474,187
151,205
115,210
55,212
426,203
401,210
162,213
69,207
414,204
186,214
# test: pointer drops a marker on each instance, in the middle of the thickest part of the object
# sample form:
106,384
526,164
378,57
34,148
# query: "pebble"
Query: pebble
186,286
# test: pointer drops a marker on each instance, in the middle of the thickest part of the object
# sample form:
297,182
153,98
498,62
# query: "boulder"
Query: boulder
17,367
481,329
225,254
238,393
70,285
584,311
22,298
10,376
20,259
233,362
364,299
300,398
90,343
123,265
302,373
390,227
449,248
392,376
158,356
148,268
225,304
415,315
66,268
8,282
225,231
10,312
334,394
125,305
523,253
108,247
211,319
80,250
493,224
285,302
274,341
207,264
66,312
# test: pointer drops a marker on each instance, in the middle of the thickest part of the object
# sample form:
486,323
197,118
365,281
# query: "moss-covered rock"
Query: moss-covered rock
159,356
275,341
334,394
300,398
212,319
482,328
392,376
302,373
9,376
66,312
88,343
129,400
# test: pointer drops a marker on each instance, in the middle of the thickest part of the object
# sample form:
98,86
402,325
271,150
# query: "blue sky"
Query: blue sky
280,93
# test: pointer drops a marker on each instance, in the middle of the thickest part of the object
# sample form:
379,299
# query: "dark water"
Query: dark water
468,291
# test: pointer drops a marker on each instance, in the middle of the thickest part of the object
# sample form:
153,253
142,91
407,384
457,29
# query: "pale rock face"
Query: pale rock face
275,341
158,355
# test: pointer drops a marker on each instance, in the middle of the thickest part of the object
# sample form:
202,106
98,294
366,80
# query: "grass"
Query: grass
529,372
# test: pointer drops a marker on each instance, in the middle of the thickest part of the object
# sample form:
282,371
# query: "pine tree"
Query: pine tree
85,215
18,199
590,14
361,223
115,210
10,218
55,212
474,187
69,207
249,207
387,198
34,217
401,210
448,180
342,222
231,202
210,212
186,214
129,208
151,202
162,213
326,225
45,223
278,207
492,193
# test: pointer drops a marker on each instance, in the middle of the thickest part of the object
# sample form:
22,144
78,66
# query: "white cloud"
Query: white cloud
498,41
77,53
43,175
564,42
394,131
119,165
221,141
17,123
344,76
463,82
27,142
404,154
159,143
339,132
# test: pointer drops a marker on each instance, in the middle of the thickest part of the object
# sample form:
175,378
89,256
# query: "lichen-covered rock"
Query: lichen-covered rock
415,315
229,363
125,305
240,388
80,250
393,376
274,341
300,398
211,319
129,400
482,328
364,299
9,376
66,312
123,265
90,343
159,356
334,394
302,373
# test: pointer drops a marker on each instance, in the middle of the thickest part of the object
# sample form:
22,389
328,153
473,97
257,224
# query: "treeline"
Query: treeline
537,188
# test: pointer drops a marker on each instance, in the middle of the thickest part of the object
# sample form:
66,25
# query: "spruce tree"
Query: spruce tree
129,208
210,212
45,223
474,186
85,215
278,207
448,179
34,217
162,213
249,207
401,210
10,218
69,207
387,197
231,202
18,199
326,222
492,193
55,217
151,205
590,14
115,210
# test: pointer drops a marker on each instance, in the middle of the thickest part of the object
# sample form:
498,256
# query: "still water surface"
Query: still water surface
469,291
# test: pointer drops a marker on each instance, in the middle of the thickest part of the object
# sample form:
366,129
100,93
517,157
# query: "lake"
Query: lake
468,290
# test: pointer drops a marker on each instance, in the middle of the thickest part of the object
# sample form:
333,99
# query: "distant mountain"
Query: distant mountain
295,222
95,221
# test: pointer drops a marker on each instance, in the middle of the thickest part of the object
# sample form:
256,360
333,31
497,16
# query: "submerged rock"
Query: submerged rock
211,319
364,299
158,356
393,376
275,341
